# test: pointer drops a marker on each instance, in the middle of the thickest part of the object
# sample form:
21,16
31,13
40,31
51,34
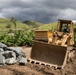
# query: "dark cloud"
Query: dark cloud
40,10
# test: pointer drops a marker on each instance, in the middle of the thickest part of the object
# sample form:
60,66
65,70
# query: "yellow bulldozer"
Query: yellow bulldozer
50,47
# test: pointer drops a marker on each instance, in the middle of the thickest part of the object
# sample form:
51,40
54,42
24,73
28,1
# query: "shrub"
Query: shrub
8,26
19,38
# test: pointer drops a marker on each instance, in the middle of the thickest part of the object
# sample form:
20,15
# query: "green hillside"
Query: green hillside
33,24
50,26
8,24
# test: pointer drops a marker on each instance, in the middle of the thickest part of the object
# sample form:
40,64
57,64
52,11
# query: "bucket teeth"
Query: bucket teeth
44,64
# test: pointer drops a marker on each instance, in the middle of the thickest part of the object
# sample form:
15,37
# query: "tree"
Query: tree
14,22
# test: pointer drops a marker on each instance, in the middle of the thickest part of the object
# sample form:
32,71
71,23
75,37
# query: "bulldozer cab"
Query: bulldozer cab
65,26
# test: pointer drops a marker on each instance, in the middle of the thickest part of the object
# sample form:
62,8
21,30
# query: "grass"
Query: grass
50,26
26,25
5,22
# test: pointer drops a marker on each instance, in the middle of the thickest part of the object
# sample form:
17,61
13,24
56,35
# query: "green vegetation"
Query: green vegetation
15,33
18,38
7,24
33,24
50,26
14,22
75,36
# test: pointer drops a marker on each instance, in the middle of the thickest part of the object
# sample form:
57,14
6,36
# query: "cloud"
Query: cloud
68,13
40,10
1,15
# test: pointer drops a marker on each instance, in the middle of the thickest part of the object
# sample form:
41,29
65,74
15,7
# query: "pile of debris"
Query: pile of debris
11,55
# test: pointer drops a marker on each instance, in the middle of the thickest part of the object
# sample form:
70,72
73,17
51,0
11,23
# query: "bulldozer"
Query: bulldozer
51,48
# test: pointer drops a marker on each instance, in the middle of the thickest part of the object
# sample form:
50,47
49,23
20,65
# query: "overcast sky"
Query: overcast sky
40,10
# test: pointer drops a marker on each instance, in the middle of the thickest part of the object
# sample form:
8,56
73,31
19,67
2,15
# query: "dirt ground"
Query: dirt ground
35,69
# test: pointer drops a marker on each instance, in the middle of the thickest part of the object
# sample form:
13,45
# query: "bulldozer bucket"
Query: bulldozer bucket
47,54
